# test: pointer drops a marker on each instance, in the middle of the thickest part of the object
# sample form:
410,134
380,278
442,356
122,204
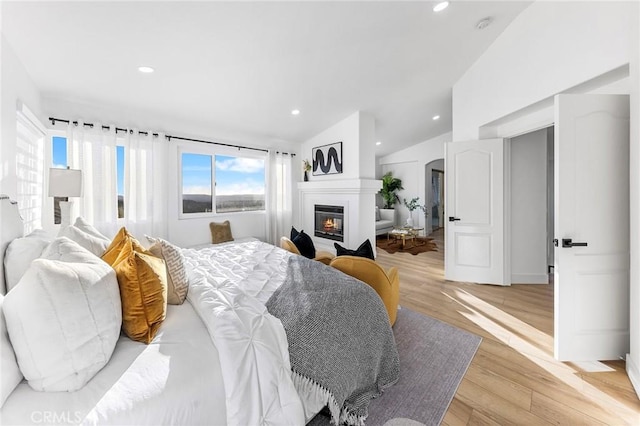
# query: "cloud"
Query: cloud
243,165
241,188
197,189
59,166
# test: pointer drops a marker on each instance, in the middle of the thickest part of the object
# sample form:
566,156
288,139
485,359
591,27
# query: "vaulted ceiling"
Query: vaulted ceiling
245,66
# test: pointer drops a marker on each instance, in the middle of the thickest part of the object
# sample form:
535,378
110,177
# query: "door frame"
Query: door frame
520,124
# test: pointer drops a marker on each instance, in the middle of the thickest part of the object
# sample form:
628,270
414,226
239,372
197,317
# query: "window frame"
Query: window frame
213,152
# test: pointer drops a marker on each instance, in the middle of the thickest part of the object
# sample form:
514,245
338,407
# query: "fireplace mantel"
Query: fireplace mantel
359,186
357,196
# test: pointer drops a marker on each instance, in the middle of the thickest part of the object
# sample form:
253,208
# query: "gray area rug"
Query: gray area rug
434,356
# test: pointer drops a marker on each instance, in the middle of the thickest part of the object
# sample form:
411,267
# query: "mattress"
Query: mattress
174,380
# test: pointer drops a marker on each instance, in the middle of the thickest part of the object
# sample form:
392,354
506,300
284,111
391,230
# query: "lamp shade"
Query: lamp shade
65,183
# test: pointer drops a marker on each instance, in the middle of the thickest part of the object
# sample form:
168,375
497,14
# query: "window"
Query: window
29,167
120,179
58,160
239,183
196,183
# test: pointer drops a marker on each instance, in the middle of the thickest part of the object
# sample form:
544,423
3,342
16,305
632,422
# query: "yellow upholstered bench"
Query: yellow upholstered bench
386,284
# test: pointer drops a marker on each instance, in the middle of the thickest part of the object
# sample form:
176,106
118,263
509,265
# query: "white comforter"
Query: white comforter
229,285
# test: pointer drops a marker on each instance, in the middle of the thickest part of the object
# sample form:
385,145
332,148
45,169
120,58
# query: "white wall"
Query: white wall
529,208
15,85
410,173
633,360
549,48
127,116
408,165
357,134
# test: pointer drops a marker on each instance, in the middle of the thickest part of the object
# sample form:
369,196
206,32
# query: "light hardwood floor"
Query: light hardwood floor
513,378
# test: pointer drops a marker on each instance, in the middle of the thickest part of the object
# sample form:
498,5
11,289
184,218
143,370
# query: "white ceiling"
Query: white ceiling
246,65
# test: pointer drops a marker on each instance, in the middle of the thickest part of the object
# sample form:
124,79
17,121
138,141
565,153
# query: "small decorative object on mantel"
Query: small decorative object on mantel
412,205
327,159
306,167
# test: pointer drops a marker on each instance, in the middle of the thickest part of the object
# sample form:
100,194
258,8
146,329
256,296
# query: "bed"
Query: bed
264,337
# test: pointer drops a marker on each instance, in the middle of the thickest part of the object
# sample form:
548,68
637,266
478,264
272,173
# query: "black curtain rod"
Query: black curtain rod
118,129
169,137
216,143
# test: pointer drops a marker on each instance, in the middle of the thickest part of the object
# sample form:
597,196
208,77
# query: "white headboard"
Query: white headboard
11,227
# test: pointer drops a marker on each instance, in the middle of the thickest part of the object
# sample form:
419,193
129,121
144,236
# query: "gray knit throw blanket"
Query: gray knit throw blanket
339,337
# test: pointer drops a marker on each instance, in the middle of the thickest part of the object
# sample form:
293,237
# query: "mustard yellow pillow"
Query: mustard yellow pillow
142,279
122,238
220,232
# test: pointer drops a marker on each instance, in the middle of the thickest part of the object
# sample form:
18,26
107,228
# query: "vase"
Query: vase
409,223
306,176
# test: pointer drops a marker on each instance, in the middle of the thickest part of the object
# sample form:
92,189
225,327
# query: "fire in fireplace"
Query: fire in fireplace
329,222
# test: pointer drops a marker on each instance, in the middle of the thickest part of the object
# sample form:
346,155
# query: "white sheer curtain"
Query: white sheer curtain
145,184
279,200
93,150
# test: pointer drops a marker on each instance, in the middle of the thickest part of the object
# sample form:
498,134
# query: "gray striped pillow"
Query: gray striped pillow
177,281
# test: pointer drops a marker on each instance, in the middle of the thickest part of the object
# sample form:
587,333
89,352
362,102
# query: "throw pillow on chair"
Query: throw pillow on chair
364,250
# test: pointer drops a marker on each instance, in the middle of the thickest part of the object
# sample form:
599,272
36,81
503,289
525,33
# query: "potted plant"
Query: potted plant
411,206
306,166
389,187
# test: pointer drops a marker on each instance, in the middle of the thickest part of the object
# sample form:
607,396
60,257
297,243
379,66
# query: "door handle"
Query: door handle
453,219
568,243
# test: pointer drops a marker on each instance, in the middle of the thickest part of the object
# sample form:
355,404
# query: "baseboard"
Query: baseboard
529,279
634,374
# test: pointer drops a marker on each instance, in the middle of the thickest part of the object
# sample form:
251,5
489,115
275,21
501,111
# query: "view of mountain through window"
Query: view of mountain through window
239,183
196,183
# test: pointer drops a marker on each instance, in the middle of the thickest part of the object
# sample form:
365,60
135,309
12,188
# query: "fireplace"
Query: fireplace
329,222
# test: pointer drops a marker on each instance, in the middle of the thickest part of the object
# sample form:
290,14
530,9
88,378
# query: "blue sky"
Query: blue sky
234,175
59,152
120,169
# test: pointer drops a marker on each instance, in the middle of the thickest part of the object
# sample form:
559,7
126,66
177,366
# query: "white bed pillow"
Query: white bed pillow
177,281
21,252
95,245
10,374
85,226
64,317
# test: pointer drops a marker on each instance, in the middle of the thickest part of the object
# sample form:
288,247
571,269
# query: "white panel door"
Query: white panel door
591,271
474,226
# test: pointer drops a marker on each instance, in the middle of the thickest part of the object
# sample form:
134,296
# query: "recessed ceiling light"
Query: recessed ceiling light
440,6
436,117
295,112
146,70
378,143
